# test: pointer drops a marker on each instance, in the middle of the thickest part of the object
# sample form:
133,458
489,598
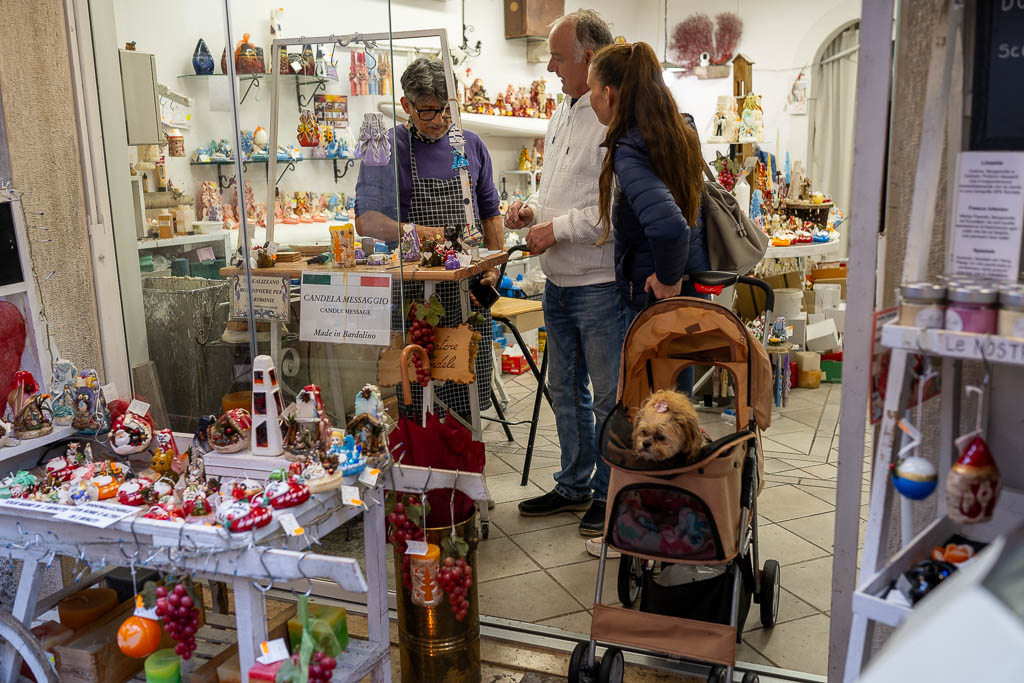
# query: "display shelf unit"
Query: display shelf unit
962,345
253,81
16,288
27,445
224,181
798,250
486,124
221,236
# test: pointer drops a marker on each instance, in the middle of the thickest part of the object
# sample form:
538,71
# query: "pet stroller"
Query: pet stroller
686,526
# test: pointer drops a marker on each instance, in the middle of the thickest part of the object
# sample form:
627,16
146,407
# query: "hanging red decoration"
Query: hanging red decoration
728,30
692,37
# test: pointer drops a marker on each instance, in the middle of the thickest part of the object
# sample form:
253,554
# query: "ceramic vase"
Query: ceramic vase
202,60
973,484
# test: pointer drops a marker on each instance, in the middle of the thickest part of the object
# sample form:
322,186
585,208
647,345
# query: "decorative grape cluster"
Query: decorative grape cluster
422,334
726,179
180,616
456,578
403,530
321,667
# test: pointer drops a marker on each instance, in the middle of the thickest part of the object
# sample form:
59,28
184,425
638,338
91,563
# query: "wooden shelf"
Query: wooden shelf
26,445
406,271
16,288
486,124
177,240
797,250
963,345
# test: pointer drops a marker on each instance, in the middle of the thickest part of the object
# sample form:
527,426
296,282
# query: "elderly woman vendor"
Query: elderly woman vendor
430,197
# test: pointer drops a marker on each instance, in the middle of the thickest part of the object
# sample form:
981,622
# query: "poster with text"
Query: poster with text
346,308
269,298
987,219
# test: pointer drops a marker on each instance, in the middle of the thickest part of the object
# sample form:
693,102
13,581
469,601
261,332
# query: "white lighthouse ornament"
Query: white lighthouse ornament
266,408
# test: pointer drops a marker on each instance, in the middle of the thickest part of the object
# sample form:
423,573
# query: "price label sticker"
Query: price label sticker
140,408
142,611
290,524
296,66
274,651
350,496
415,547
369,477
109,392
272,248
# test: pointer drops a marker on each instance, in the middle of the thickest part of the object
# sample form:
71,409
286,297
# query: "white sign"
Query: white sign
988,216
290,524
100,515
416,548
34,505
269,302
346,308
274,651
139,407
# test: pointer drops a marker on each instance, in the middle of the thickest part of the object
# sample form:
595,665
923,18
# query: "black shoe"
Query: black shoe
550,504
592,523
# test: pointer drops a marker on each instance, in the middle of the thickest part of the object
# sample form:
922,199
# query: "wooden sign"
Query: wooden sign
388,369
454,355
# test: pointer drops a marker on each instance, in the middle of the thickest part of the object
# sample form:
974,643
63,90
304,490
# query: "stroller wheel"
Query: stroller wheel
612,666
751,677
631,580
718,674
578,665
770,590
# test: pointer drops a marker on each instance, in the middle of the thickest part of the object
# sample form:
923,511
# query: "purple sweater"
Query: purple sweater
375,188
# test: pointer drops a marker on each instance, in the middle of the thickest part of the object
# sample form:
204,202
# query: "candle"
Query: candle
163,666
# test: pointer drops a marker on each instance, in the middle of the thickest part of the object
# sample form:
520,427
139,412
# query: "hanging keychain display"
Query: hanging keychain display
973,483
914,476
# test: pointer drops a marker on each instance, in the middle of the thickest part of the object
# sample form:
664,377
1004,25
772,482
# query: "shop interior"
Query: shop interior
184,164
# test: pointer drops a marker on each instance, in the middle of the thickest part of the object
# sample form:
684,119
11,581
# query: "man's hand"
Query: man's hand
490,277
662,291
519,215
540,238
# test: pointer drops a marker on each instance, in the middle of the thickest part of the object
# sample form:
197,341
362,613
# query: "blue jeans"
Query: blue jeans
585,326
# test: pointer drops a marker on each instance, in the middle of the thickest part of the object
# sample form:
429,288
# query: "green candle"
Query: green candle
163,666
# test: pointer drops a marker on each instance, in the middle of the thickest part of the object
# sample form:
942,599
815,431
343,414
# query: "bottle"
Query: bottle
742,192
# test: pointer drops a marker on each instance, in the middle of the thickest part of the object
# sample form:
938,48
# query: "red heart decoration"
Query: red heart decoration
12,345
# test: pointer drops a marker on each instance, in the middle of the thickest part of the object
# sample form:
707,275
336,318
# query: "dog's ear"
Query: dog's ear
693,438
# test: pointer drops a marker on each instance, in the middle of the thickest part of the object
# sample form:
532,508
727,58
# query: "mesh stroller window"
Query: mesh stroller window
664,521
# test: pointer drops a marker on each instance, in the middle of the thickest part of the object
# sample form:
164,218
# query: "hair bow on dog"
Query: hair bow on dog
661,407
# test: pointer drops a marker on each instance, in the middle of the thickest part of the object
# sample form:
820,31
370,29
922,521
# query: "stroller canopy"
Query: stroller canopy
675,333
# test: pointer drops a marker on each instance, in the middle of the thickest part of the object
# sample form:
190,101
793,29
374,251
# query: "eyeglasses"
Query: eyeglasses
431,114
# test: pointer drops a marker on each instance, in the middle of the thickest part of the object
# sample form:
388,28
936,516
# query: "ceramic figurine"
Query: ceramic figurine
451,239
231,432
410,243
202,60
90,408
7,434
308,60
248,58
451,261
241,515
368,432
130,434
374,146
17,484
134,491
306,423
354,461
974,482
167,460
62,389
33,416
266,408
284,492
914,477
308,129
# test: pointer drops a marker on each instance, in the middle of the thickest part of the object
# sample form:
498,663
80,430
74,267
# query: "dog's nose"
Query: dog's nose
647,443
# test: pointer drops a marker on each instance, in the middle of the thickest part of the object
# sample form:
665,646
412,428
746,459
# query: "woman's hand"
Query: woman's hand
661,291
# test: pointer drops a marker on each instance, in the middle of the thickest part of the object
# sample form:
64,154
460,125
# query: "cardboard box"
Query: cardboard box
749,301
827,270
799,327
826,296
807,361
815,318
838,315
516,363
823,337
841,281
832,371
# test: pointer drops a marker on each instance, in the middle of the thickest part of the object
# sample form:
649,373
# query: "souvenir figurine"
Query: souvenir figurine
248,58
524,160
7,434
354,461
306,423
130,434
167,460
286,492
451,261
368,402
266,408
134,491
230,433
243,515
17,484
974,482
83,491
166,512
202,60
31,410
410,243
259,144
59,470
62,389
374,147
90,411
201,440
308,129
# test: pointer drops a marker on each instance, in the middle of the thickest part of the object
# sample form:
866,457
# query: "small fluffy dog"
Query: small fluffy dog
666,426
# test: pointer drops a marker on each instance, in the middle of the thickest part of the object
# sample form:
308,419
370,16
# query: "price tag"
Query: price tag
274,651
290,524
415,548
350,496
272,248
109,392
296,66
141,611
205,254
369,477
140,408
204,158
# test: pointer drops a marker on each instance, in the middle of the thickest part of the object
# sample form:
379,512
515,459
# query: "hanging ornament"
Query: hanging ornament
308,129
973,484
914,476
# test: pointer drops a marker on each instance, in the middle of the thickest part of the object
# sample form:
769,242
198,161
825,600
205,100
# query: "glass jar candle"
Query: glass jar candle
1011,311
971,308
426,591
923,304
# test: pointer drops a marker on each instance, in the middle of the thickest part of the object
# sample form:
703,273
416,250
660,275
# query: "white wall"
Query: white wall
778,36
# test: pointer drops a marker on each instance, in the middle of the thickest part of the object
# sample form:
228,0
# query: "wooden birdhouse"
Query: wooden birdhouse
531,18
742,75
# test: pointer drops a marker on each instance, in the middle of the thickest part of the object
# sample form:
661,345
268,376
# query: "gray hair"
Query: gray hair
592,33
425,78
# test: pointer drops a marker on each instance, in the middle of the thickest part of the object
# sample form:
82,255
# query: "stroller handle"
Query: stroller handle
723,278
511,250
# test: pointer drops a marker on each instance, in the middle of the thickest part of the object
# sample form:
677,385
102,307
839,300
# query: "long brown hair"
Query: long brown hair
645,102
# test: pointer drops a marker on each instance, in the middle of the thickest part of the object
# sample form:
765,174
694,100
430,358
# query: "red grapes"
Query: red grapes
456,578
321,667
403,530
180,617
726,179
422,334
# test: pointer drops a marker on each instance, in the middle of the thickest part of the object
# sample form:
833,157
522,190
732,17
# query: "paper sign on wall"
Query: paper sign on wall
988,216
270,298
346,308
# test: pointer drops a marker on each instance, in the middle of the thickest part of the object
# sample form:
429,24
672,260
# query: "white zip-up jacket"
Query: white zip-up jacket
568,197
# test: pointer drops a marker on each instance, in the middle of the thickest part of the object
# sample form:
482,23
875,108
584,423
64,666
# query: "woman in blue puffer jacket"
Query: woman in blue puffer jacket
655,158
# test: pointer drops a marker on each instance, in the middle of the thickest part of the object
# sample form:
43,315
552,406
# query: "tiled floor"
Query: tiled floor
536,569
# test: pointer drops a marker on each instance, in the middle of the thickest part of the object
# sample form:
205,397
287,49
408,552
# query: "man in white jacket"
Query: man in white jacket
583,311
